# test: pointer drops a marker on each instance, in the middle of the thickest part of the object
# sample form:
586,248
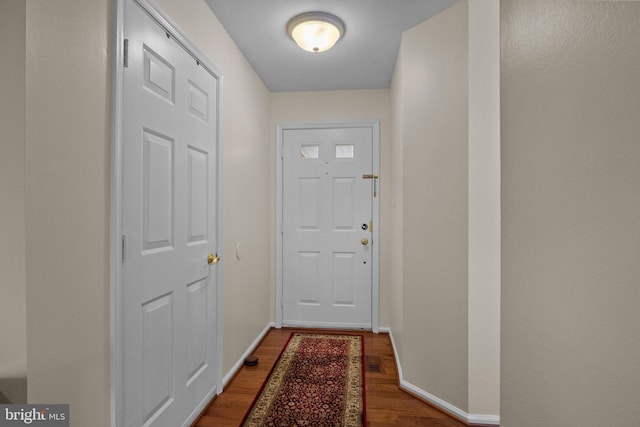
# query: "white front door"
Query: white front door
169,227
327,218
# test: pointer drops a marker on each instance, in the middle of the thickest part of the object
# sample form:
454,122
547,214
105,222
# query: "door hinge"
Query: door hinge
124,247
126,53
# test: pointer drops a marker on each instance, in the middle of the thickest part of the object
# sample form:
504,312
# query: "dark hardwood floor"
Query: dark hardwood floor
386,404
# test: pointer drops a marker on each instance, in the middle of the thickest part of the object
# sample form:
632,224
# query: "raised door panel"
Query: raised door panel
343,279
157,357
308,278
158,191
198,194
198,102
159,75
309,203
342,204
196,329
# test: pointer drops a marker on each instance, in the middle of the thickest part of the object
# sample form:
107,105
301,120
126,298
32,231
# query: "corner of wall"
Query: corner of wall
396,312
484,208
479,336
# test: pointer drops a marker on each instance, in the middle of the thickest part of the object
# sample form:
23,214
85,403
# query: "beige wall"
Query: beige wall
484,209
248,190
343,105
434,120
445,257
13,344
68,96
570,213
396,297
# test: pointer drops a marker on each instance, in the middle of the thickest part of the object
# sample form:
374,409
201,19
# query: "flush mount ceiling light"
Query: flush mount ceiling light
315,31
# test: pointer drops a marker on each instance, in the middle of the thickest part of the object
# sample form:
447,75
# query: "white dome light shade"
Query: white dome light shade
315,31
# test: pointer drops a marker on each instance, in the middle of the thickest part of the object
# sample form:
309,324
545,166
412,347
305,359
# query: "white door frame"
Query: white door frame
117,96
374,125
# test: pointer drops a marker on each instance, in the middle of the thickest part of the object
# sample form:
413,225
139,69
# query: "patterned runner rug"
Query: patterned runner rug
318,380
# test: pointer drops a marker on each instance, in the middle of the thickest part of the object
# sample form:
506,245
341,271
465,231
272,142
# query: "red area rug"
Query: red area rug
318,380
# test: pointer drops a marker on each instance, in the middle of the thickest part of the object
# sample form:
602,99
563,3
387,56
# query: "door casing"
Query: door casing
116,255
374,125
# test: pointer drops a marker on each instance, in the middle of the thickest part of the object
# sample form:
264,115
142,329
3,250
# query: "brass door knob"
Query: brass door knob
364,241
212,259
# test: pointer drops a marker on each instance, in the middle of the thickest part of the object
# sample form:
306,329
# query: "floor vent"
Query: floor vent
372,364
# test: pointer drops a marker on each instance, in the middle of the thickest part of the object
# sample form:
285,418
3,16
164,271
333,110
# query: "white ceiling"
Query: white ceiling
363,59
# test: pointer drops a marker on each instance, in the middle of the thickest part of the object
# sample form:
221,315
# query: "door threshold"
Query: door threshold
345,328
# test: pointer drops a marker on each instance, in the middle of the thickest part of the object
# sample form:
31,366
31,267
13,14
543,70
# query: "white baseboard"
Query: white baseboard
435,400
490,420
250,350
395,355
